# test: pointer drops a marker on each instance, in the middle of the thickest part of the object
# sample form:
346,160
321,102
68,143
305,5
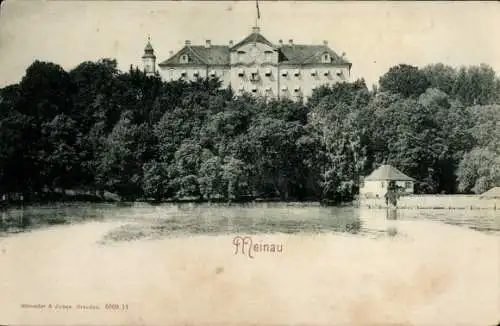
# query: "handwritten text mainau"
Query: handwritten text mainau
244,245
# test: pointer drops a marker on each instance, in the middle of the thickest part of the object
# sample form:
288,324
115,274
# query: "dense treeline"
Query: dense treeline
97,129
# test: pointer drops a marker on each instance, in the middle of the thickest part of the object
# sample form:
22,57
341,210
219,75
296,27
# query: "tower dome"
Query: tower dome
148,50
149,59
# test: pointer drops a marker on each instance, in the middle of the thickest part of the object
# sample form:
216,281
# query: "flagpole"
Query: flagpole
257,17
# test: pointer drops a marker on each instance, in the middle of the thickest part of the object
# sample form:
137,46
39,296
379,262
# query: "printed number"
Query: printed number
115,306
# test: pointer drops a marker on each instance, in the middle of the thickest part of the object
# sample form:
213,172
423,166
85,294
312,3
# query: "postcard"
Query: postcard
249,163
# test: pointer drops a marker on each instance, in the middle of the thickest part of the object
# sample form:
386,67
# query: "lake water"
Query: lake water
166,220
177,264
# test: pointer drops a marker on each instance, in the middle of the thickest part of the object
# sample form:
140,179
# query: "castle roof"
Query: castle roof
388,172
255,37
296,54
201,55
304,54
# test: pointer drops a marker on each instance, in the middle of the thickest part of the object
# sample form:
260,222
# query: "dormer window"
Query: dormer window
269,56
240,56
325,58
284,73
184,58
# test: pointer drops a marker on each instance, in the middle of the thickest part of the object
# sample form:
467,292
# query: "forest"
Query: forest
96,129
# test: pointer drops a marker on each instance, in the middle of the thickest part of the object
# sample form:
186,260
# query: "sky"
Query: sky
374,35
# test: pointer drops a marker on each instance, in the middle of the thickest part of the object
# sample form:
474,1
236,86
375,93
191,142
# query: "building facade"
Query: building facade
255,65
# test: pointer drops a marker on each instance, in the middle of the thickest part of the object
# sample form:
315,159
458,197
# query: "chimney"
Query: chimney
208,43
325,43
231,43
281,42
255,29
290,41
187,42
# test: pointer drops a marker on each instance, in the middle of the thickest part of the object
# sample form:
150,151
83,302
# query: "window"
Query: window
212,73
284,73
296,89
339,72
183,74
284,88
184,58
254,74
240,56
196,73
326,72
325,58
268,72
241,73
408,184
382,184
268,56
313,72
254,90
297,73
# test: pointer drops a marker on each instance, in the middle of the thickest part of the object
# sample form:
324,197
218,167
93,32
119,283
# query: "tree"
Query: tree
156,180
441,77
404,79
479,171
477,85
120,169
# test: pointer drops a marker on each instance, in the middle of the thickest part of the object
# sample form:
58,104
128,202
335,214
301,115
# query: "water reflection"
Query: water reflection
249,218
27,218
391,214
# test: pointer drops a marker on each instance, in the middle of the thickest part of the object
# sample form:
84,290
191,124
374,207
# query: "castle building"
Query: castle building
255,65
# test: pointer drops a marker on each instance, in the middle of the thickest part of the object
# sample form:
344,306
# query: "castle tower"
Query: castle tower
149,59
